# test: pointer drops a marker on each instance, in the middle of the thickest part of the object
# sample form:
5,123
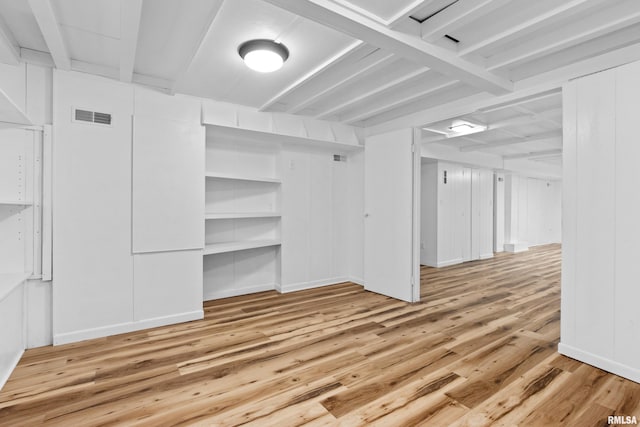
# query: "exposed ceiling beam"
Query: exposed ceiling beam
377,62
10,49
361,115
457,15
387,86
46,18
130,13
329,63
184,69
544,116
114,73
513,104
587,28
548,136
538,21
405,13
544,84
404,45
538,154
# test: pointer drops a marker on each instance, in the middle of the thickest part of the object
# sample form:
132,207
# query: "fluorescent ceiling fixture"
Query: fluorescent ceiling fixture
263,55
463,127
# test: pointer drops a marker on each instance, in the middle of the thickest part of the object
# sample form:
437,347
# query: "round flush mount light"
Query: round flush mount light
263,55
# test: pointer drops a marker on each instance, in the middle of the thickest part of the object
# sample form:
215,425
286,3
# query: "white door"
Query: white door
391,228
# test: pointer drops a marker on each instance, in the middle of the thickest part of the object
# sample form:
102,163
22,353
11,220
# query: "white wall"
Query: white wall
600,322
315,220
355,216
97,291
532,211
456,216
498,212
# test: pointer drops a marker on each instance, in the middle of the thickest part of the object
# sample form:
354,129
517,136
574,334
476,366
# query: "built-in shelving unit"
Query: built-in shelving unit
242,216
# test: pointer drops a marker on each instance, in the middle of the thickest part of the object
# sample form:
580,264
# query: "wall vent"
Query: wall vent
94,117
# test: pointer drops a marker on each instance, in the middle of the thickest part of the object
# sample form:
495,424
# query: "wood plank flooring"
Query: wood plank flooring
480,349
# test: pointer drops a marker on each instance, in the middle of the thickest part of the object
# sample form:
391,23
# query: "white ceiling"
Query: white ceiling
372,63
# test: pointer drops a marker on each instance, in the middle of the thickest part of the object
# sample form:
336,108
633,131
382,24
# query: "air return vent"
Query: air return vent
95,117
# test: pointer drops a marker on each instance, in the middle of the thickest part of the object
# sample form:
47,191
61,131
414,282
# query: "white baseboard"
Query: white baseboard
608,365
516,247
486,256
313,284
6,373
121,328
210,294
449,262
356,280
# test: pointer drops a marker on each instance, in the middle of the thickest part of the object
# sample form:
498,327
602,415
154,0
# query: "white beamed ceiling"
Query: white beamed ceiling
369,63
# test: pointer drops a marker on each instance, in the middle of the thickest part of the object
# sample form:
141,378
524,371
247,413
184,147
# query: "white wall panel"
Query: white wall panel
92,259
499,213
295,217
569,214
595,220
626,315
600,320
168,185
167,284
321,216
355,215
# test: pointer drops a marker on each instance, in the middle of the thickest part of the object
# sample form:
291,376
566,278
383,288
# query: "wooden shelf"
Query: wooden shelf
9,281
219,248
15,202
218,131
242,178
239,215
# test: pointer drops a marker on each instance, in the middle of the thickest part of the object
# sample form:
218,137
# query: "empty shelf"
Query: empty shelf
234,215
242,178
15,202
219,248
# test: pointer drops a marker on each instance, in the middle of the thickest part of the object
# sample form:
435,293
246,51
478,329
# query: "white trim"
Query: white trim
356,280
4,376
219,294
608,365
449,262
121,328
486,256
313,284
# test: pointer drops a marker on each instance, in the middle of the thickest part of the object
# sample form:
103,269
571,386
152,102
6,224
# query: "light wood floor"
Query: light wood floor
479,349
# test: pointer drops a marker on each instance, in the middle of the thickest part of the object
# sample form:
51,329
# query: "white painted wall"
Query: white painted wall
315,219
97,291
532,211
355,216
12,332
457,216
498,212
600,322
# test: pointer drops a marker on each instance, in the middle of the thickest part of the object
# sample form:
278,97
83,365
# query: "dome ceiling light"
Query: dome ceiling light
263,55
